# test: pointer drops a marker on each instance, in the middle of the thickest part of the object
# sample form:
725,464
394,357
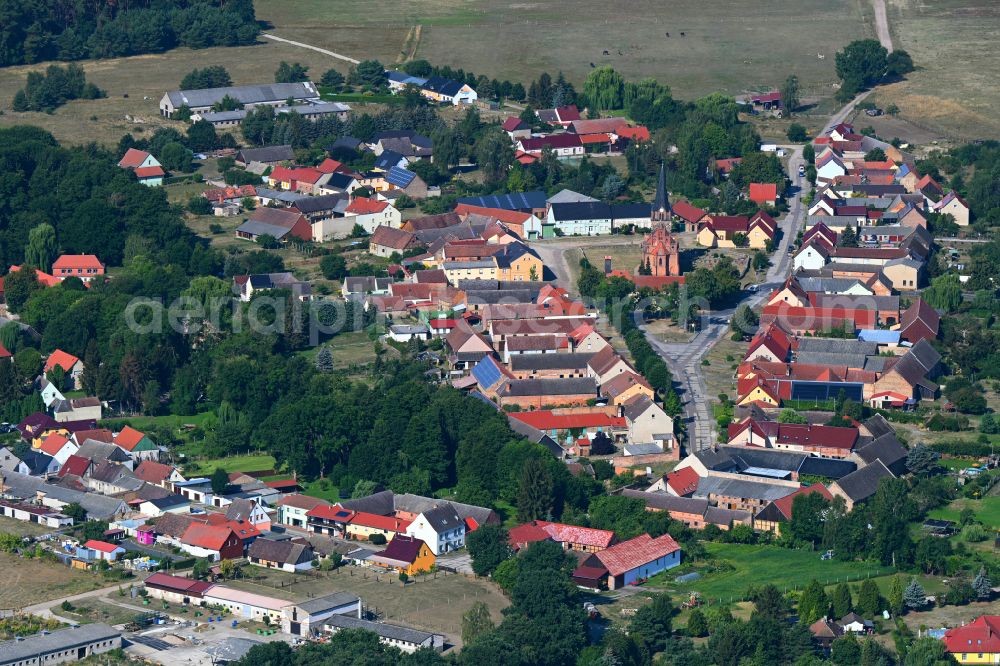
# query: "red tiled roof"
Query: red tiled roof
638,133
98,435
209,537
331,512
513,123
784,504
43,278
133,157
727,165
545,419
3,350
687,212
64,360
128,438
177,583
282,483
522,535
553,141
505,216
295,175
792,434
763,192
153,472
102,546
149,172
980,635
330,165
53,444
74,465
587,536
235,192
375,521
683,481
72,261
366,206
628,555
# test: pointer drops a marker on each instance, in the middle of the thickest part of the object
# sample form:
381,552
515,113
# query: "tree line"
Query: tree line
37,30
58,85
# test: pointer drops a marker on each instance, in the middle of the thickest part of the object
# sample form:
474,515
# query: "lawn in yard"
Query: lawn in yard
321,488
29,581
22,528
987,510
257,462
94,610
760,565
432,602
179,426
723,358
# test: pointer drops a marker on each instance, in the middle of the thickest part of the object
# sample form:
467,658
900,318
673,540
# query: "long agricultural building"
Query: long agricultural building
60,647
268,94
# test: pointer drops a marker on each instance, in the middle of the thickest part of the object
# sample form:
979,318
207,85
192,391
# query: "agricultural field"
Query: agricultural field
30,581
434,602
946,94
136,84
730,46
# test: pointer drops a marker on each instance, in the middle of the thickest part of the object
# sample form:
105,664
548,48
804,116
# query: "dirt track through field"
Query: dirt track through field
882,25
313,48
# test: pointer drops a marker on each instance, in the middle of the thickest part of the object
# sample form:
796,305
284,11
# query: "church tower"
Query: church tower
660,251
660,210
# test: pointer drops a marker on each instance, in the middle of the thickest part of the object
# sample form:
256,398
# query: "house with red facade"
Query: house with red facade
83,266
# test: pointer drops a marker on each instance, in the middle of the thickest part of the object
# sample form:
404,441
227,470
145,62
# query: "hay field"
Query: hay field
728,45
149,76
953,45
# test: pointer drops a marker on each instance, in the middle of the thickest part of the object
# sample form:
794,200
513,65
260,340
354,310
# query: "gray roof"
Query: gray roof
315,108
286,552
716,459
637,406
878,426
262,229
327,603
836,346
240,509
98,507
259,94
325,202
574,361
713,485
97,451
380,503
168,501
885,448
719,516
443,518
390,631
569,196
829,468
223,116
279,195
862,484
640,449
746,456
267,154
667,502
925,355
417,504
827,285
31,647
572,386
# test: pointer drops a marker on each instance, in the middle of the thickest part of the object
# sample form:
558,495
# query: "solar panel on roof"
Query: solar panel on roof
486,372
802,390
400,177
764,471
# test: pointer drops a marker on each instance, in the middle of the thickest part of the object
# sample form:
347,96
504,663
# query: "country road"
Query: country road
882,25
339,56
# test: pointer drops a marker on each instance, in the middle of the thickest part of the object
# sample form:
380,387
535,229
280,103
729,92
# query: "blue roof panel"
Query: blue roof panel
487,372
513,201
400,177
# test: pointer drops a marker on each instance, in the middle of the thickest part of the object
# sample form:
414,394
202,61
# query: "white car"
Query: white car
802,169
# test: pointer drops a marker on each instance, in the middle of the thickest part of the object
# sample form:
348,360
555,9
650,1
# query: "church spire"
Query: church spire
661,202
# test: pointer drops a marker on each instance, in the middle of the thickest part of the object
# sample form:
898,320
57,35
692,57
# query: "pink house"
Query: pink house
145,535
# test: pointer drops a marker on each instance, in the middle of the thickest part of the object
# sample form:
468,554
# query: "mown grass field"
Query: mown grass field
952,43
28,581
987,510
762,565
144,79
727,45
259,462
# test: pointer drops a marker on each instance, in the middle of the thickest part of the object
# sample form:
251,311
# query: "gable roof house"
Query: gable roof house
215,542
146,168
83,266
405,554
282,225
70,365
286,555
269,155
137,444
860,485
441,528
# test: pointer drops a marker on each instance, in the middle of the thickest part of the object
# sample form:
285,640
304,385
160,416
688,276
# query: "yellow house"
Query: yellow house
975,643
518,263
481,269
759,395
405,554
622,388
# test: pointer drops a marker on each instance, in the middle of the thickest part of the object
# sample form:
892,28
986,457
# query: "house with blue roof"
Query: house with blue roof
436,88
880,337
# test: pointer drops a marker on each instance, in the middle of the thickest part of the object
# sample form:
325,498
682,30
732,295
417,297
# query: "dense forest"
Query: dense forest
38,30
